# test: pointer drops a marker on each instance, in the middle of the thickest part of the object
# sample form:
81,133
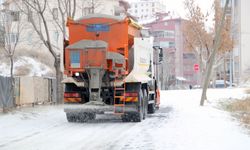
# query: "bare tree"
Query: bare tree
65,9
69,8
10,31
37,9
216,46
197,38
203,41
168,62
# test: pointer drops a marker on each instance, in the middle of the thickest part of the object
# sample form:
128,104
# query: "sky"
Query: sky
177,6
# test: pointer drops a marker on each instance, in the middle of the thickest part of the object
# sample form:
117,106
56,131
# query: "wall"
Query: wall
244,39
34,90
28,90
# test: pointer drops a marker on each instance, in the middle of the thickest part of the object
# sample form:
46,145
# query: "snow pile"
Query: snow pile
26,66
246,83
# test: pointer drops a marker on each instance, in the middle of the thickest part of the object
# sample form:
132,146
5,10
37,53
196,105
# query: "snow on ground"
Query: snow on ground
26,66
180,124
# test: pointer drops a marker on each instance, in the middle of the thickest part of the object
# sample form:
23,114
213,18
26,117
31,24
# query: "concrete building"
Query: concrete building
146,10
177,65
239,61
29,40
241,13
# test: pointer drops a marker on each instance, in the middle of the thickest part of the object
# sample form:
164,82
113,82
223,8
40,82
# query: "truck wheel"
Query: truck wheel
138,116
127,117
84,117
92,116
151,108
71,117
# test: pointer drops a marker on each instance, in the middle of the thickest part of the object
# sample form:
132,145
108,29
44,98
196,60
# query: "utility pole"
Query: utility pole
232,35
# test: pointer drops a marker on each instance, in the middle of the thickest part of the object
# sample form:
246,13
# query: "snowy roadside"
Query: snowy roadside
180,124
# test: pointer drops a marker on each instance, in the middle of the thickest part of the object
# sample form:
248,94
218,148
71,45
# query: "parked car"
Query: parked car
220,84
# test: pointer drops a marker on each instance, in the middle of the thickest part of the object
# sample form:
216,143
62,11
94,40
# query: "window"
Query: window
135,5
2,35
153,4
15,15
75,59
55,13
87,10
171,44
30,38
164,44
29,16
11,38
169,34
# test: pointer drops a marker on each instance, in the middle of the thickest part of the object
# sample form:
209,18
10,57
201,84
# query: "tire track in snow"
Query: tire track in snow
141,137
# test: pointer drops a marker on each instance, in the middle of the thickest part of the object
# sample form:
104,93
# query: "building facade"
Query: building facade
239,62
177,63
243,11
146,10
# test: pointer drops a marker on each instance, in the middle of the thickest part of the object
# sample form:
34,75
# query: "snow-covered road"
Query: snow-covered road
180,124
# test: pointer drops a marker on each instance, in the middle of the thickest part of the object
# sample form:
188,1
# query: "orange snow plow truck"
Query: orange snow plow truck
109,69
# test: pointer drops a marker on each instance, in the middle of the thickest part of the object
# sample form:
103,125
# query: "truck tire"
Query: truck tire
127,117
138,116
71,117
86,116
151,108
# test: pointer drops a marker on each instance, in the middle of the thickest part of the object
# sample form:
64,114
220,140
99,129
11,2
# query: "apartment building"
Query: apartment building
177,65
238,61
146,10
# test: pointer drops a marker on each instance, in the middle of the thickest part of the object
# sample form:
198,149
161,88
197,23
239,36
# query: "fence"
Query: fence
28,90
6,98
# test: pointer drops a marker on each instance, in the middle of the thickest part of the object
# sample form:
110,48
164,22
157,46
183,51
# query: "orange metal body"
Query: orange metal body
120,38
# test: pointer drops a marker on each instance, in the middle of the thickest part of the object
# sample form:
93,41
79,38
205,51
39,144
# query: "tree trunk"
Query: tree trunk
59,86
12,88
212,57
